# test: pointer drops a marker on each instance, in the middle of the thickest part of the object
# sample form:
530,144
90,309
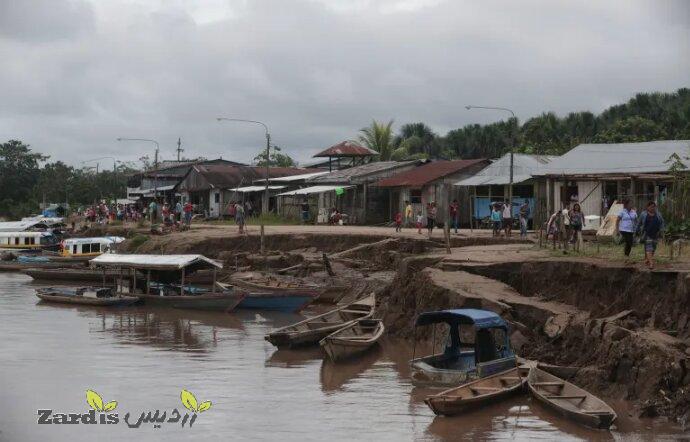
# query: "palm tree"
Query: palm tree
378,137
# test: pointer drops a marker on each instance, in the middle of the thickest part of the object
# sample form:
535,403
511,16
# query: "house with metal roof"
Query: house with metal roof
492,183
595,175
212,187
431,182
349,191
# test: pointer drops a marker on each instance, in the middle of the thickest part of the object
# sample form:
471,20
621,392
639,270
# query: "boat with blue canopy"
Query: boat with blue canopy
476,345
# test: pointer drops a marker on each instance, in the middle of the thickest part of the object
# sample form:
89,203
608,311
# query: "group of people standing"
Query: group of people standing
502,218
647,226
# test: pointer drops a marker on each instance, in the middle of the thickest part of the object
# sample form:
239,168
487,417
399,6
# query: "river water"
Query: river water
143,357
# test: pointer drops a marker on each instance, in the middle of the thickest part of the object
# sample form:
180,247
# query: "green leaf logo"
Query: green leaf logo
95,401
190,403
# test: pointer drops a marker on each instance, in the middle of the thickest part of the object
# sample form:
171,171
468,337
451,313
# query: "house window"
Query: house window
416,196
216,197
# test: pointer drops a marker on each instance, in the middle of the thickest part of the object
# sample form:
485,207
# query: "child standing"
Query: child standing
398,222
419,222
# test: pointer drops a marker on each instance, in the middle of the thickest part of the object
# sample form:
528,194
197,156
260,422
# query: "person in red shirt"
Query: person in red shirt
398,222
455,215
187,209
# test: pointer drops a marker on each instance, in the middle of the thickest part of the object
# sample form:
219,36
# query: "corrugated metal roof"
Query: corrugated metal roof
304,176
618,158
250,189
498,172
347,149
347,175
222,176
313,189
161,262
427,173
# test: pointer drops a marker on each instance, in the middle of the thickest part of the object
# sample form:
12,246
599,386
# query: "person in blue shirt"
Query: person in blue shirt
625,225
649,226
496,219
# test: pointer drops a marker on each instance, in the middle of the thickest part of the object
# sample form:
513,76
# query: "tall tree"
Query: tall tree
379,137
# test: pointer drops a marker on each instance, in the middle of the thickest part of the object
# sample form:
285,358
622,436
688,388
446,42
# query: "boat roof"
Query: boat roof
155,262
100,239
25,234
478,318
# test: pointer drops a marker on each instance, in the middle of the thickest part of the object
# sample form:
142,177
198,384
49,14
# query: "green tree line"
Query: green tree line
25,182
645,117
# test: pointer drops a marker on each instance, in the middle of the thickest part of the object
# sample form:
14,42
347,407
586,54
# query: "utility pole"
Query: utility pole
179,148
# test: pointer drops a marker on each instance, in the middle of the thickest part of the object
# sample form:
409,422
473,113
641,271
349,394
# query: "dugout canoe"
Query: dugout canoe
94,296
353,339
479,393
312,330
570,400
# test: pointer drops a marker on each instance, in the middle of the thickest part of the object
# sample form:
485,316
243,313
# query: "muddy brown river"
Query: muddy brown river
143,358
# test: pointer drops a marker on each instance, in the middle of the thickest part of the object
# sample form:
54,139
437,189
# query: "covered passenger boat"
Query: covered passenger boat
476,346
83,247
165,282
28,241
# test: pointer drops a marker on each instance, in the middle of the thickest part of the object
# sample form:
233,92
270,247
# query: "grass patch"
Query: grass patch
137,240
613,252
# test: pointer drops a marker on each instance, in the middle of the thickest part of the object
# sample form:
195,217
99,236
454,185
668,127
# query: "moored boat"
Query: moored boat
290,302
98,296
353,339
478,393
312,330
88,247
68,274
164,282
570,400
481,349
265,284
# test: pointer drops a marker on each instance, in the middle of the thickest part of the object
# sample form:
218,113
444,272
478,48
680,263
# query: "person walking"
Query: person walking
431,218
524,217
577,221
507,218
305,211
625,225
153,211
454,212
178,211
239,216
496,219
188,209
650,226
409,214
398,222
420,219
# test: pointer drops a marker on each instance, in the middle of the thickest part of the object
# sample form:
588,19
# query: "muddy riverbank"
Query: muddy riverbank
623,331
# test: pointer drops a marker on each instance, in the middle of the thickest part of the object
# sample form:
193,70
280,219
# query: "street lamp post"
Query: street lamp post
512,148
115,161
155,162
264,207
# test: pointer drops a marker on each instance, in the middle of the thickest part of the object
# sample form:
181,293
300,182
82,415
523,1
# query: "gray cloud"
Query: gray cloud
78,74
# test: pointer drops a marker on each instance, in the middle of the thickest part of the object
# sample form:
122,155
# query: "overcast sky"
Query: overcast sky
77,74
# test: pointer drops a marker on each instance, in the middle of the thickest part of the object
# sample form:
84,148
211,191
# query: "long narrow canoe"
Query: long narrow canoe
353,339
267,285
282,302
220,302
479,393
312,330
570,400
66,295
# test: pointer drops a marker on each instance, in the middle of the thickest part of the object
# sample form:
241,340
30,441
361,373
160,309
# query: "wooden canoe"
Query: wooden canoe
353,339
569,400
312,330
62,296
220,302
479,393
269,285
